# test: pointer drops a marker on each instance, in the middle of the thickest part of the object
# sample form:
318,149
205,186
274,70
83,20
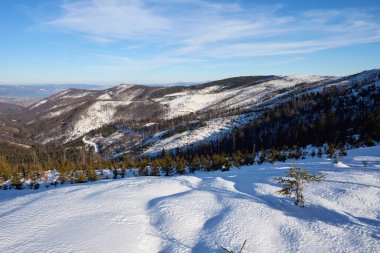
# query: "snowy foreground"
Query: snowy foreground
202,212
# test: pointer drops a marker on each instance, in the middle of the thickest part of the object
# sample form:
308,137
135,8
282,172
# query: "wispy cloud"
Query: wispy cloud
109,20
207,29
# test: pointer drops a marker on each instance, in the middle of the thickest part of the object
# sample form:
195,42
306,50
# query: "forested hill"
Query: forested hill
245,114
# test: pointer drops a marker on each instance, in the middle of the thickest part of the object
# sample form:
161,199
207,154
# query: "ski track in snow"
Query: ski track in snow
201,212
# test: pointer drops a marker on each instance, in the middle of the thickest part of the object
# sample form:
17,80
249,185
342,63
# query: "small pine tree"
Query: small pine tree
180,165
62,177
16,181
91,173
155,168
331,150
115,172
237,158
320,152
166,165
342,151
294,181
227,164
80,177
313,153
195,164
249,159
5,169
123,172
272,156
262,157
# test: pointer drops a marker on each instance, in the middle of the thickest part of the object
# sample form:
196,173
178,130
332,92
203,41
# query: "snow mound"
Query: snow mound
341,165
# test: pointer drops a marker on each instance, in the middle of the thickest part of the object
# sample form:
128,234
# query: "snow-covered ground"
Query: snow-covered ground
201,212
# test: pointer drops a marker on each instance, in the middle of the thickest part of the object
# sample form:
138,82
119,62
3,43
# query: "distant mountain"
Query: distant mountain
39,91
146,120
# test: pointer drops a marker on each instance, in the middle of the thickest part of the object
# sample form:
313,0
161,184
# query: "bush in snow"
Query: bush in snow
294,181
230,251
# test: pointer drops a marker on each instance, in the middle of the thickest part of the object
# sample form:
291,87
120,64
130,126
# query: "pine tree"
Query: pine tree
122,172
91,174
320,153
181,164
294,181
249,158
115,172
262,157
143,167
5,169
80,177
331,151
155,168
195,164
342,151
272,156
16,181
166,165
62,177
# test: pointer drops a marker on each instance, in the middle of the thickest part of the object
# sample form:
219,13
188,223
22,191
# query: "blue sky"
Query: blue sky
151,41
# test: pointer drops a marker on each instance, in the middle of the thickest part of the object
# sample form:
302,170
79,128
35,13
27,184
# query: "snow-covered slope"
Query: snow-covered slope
211,131
201,212
73,113
214,97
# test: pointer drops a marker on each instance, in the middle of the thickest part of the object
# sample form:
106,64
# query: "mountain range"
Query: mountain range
148,119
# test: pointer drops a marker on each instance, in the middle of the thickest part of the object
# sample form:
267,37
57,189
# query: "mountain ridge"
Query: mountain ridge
72,114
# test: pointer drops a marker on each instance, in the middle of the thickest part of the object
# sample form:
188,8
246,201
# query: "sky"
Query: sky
168,41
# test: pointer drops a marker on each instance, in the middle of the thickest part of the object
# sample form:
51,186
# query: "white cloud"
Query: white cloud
204,29
108,20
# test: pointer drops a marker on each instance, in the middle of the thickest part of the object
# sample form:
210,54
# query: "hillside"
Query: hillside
203,211
146,120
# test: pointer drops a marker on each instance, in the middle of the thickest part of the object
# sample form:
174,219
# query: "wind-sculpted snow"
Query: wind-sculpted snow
201,212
